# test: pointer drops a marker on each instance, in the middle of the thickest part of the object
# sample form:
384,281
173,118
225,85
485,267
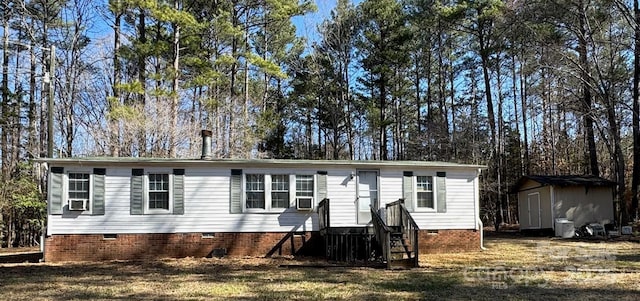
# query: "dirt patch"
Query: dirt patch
5,251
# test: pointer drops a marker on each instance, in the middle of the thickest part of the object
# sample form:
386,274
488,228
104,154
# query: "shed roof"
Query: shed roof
566,180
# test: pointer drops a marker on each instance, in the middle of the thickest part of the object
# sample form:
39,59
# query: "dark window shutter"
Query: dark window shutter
236,191
98,191
407,189
322,185
178,191
55,192
137,191
441,191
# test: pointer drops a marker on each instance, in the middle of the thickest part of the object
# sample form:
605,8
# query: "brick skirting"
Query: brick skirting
448,241
97,247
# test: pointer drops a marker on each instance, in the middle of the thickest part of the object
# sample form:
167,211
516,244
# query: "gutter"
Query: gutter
481,226
476,204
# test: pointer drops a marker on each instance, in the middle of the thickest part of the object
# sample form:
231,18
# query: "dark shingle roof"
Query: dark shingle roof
567,180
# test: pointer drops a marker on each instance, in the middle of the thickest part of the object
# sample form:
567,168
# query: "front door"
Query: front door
367,194
533,201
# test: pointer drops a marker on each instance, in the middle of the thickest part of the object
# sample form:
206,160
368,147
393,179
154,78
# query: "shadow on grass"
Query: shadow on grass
203,279
632,258
488,292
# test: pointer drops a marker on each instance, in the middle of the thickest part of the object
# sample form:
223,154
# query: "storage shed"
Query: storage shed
545,200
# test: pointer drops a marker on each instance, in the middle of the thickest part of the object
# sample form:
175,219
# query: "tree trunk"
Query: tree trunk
490,112
4,108
525,132
443,119
514,91
618,156
383,130
428,129
493,166
635,182
175,87
309,134
70,85
233,73
500,143
417,82
33,149
43,104
114,129
245,148
452,87
16,112
591,154
347,100
142,78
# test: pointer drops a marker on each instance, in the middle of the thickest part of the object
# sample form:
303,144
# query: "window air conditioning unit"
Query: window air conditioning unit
304,203
78,205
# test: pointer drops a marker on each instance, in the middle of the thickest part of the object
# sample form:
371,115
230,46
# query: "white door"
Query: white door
533,202
367,194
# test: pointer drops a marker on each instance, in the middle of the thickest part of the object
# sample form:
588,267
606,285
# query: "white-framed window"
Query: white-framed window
158,197
424,189
78,191
280,191
304,186
275,192
158,194
255,191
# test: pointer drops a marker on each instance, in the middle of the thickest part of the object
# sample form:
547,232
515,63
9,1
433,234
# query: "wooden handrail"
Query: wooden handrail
399,216
324,221
383,234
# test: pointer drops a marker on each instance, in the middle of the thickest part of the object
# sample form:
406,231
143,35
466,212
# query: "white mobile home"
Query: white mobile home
124,208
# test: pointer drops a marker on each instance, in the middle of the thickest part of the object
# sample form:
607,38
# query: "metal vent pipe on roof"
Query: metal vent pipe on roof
206,144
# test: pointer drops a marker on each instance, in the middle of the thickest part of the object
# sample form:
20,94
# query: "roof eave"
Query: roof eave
262,162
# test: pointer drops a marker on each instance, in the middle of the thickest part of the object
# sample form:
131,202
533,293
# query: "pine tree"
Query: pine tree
385,37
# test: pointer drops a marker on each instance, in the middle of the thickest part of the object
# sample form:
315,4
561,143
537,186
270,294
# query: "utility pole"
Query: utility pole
51,83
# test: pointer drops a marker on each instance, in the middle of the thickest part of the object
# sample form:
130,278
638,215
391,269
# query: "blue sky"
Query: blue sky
306,26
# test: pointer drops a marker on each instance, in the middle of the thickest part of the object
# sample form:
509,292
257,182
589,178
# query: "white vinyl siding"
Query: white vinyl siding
207,200
461,205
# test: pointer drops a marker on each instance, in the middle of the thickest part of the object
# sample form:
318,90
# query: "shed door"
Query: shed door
367,194
533,207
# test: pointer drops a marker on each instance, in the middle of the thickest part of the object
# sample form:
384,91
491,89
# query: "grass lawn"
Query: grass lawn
510,269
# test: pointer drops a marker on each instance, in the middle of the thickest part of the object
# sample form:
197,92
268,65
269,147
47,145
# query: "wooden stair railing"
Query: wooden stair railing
323,215
383,236
406,240
324,223
397,235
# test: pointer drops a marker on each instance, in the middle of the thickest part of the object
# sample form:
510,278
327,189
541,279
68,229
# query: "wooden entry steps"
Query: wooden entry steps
392,240
398,236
